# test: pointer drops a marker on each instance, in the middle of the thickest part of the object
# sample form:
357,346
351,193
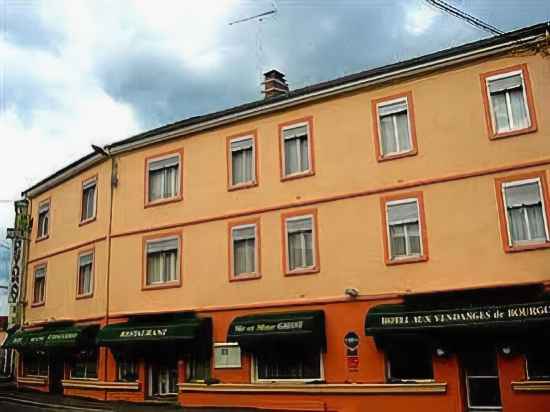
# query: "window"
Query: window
508,101
244,250
39,287
84,366
395,136
164,178
296,141
538,363
162,261
242,164
88,200
403,227
288,363
198,368
412,362
35,364
301,254
85,274
227,355
127,370
482,382
43,220
525,212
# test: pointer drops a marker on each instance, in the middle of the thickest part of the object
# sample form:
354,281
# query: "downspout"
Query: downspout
113,183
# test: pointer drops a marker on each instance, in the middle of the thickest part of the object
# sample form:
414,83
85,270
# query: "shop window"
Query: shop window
410,362
162,261
88,200
163,177
300,249
43,220
85,274
482,382
39,286
394,128
227,355
296,145
525,212
127,370
35,364
244,246
538,364
84,366
163,379
243,162
291,363
198,368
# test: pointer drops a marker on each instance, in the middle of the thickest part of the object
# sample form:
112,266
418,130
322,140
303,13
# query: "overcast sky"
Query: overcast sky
76,72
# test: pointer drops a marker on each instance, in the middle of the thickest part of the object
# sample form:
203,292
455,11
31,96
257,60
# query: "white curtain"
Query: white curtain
525,212
162,266
507,97
519,112
163,182
500,111
242,166
296,150
402,122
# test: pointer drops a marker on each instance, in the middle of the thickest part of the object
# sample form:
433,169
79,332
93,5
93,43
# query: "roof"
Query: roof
517,35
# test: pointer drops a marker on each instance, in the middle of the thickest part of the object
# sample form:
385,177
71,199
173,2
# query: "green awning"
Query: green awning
51,338
390,319
140,332
262,330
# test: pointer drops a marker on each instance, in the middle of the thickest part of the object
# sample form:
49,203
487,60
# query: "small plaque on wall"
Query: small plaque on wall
227,355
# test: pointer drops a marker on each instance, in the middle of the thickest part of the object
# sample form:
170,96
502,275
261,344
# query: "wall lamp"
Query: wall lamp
352,292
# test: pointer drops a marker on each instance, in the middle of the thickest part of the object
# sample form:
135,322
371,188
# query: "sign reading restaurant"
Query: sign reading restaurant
464,316
141,333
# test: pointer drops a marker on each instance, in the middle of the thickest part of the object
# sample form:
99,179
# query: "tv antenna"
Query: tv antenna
468,18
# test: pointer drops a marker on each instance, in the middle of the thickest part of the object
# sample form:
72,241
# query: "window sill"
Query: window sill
162,286
163,201
323,388
382,158
403,261
512,133
86,296
298,272
531,386
33,380
307,173
40,239
526,247
245,276
97,384
37,304
85,222
240,186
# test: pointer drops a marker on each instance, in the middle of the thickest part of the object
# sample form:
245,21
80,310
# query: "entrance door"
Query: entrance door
163,380
481,380
56,366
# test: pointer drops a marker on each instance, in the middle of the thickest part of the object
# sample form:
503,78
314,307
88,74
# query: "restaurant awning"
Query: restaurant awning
49,339
389,319
260,330
169,331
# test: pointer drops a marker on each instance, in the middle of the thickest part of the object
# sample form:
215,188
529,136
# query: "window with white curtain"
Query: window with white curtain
288,363
164,178
404,228
84,365
300,240
395,136
508,102
162,261
39,290
242,161
525,212
88,200
43,219
244,249
296,149
85,274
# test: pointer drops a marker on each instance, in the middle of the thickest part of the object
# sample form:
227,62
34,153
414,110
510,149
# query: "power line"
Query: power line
468,18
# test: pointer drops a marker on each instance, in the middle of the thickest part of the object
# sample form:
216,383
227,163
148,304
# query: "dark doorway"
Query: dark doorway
481,379
57,373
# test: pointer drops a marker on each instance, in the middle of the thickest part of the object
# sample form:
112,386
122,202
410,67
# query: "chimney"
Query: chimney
274,84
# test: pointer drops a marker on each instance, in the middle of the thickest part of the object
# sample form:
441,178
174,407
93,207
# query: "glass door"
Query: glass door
482,382
163,380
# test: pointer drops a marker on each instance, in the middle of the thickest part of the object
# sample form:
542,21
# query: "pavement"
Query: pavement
14,400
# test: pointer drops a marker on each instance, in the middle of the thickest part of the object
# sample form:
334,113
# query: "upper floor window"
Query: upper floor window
301,255
89,197
403,220
525,212
509,101
164,178
394,127
244,251
162,261
39,285
43,220
296,141
85,274
242,167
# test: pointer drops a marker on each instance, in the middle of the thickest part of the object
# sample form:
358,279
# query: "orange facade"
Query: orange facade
351,222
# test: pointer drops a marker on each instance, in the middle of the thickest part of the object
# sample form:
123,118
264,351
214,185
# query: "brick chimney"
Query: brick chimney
274,84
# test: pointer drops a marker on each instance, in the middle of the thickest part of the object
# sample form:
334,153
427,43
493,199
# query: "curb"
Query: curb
52,405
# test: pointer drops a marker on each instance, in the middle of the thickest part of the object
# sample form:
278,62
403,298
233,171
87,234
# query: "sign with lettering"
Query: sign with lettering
399,318
19,237
141,333
285,326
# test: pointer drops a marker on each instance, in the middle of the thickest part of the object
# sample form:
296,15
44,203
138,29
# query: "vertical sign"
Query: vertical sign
351,340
